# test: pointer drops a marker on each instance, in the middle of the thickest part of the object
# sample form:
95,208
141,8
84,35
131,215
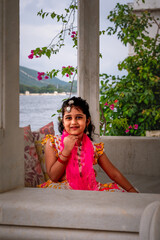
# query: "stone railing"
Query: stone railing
28,214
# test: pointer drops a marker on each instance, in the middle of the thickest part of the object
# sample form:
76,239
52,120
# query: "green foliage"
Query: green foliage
138,92
67,20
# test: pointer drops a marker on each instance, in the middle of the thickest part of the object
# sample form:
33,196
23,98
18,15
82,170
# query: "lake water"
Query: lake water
37,110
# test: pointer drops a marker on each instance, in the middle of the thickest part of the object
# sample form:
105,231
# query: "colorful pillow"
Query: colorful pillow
40,152
33,172
38,135
43,131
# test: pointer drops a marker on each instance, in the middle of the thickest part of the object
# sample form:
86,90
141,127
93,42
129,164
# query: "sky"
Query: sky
37,32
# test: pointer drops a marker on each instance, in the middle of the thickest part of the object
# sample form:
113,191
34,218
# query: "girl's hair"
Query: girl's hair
81,104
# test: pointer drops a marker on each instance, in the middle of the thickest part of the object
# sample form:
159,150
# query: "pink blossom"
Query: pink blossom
116,101
67,75
41,73
39,77
127,130
32,51
71,73
106,104
111,106
63,67
135,126
72,36
130,126
30,56
73,32
46,77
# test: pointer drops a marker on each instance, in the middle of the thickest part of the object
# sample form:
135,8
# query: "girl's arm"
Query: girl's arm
114,173
55,168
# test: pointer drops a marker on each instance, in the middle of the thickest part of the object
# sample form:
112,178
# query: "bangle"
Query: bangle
61,161
130,188
64,155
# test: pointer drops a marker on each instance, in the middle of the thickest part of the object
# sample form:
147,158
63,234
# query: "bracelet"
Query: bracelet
64,155
130,188
61,161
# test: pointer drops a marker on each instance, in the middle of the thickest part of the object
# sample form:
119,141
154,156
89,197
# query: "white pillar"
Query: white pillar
11,137
88,55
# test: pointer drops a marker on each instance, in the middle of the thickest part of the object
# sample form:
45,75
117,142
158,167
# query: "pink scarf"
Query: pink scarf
85,180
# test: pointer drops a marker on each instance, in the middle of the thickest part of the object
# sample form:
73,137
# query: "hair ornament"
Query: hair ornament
68,109
71,102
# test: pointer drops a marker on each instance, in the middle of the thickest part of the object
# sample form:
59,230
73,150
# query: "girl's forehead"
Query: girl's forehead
73,110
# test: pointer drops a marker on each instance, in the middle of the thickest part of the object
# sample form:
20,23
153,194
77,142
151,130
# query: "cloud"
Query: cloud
113,52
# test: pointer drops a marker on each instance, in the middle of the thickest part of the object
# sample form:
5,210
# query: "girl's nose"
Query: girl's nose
74,120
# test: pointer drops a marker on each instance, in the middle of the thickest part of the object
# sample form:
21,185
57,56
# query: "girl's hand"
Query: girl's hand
69,143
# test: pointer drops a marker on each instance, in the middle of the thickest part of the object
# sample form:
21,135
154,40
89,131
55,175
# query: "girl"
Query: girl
70,158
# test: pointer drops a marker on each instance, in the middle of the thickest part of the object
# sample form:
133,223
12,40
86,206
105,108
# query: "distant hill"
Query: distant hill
28,77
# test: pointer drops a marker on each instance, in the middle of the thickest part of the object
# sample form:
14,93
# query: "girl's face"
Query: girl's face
75,122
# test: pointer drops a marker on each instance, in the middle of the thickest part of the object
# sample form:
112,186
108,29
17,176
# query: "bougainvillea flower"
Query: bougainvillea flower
67,75
116,101
127,130
63,67
73,32
135,126
106,104
72,36
30,56
32,51
46,77
39,77
111,106
130,126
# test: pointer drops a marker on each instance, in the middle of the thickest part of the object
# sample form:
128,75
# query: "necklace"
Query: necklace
79,150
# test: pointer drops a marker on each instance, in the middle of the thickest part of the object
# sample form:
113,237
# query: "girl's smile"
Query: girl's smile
75,121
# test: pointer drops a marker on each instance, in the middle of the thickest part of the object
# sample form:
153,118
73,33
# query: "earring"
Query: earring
87,132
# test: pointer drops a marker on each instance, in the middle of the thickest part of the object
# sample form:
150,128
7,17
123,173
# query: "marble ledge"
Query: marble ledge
87,210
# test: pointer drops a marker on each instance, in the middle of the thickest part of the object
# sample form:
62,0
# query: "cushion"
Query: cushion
38,135
33,172
43,131
40,152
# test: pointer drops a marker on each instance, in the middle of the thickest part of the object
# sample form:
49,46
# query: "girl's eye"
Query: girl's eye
79,117
68,118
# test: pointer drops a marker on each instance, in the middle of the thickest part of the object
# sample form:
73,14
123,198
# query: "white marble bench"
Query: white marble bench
145,184
29,213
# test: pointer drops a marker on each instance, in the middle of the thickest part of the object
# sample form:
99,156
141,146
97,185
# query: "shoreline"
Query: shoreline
44,94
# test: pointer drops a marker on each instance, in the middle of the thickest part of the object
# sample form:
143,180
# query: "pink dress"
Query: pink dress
98,151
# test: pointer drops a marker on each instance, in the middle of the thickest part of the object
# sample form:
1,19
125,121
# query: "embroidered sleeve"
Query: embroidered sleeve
52,142
98,151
